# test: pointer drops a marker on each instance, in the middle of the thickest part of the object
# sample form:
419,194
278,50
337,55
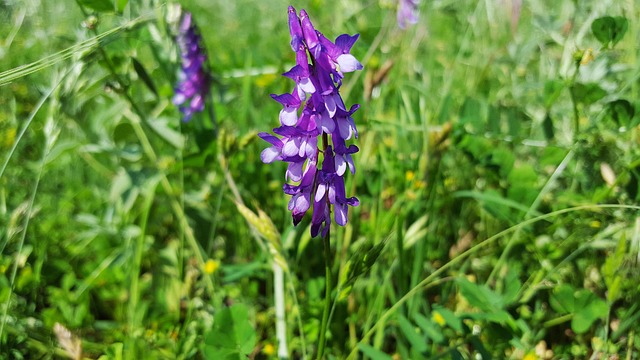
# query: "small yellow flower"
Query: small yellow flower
438,318
409,175
269,349
211,266
530,356
595,224
587,57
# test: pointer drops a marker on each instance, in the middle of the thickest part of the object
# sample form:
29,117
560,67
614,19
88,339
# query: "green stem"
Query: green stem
558,320
574,104
327,295
630,344
134,294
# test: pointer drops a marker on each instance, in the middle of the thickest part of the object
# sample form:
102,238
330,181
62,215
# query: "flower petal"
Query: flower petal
289,116
269,154
294,171
322,189
345,42
290,148
306,85
348,63
340,214
341,165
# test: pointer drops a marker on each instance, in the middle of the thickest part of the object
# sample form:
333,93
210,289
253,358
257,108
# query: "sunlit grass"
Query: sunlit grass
497,176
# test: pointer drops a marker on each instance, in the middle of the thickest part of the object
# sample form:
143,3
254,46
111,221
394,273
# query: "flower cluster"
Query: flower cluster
193,80
318,73
407,12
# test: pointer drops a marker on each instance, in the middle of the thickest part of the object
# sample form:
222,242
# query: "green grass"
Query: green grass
498,181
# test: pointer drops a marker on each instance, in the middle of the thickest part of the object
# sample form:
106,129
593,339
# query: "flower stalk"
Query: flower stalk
194,78
315,110
327,295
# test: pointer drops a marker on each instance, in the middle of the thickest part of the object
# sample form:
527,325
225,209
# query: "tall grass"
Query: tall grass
497,174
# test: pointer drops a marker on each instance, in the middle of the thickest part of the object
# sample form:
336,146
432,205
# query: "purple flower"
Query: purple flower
407,12
330,190
193,79
312,110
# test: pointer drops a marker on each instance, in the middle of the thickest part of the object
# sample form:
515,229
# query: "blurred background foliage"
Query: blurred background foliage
498,179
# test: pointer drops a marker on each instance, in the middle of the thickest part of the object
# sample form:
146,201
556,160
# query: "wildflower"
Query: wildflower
193,79
269,349
313,110
407,12
211,266
438,318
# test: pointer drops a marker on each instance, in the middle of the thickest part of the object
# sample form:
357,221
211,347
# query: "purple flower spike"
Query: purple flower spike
314,108
193,80
407,12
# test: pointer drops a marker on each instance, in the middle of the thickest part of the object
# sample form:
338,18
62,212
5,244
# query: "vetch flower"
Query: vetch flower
407,12
314,112
194,78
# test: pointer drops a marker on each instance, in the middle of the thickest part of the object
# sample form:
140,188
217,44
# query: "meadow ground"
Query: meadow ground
497,178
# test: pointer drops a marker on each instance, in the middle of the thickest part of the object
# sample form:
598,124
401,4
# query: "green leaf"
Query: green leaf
361,262
412,334
142,73
98,5
511,286
523,180
588,93
449,317
121,4
162,129
479,296
589,308
552,90
431,329
499,317
585,306
471,114
456,355
504,158
516,117
621,111
373,353
562,299
232,336
609,30
612,277
236,272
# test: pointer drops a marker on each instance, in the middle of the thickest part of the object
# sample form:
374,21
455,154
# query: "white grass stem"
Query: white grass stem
281,324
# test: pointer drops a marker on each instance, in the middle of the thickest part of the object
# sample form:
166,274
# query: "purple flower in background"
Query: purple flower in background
315,112
193,79
407,12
